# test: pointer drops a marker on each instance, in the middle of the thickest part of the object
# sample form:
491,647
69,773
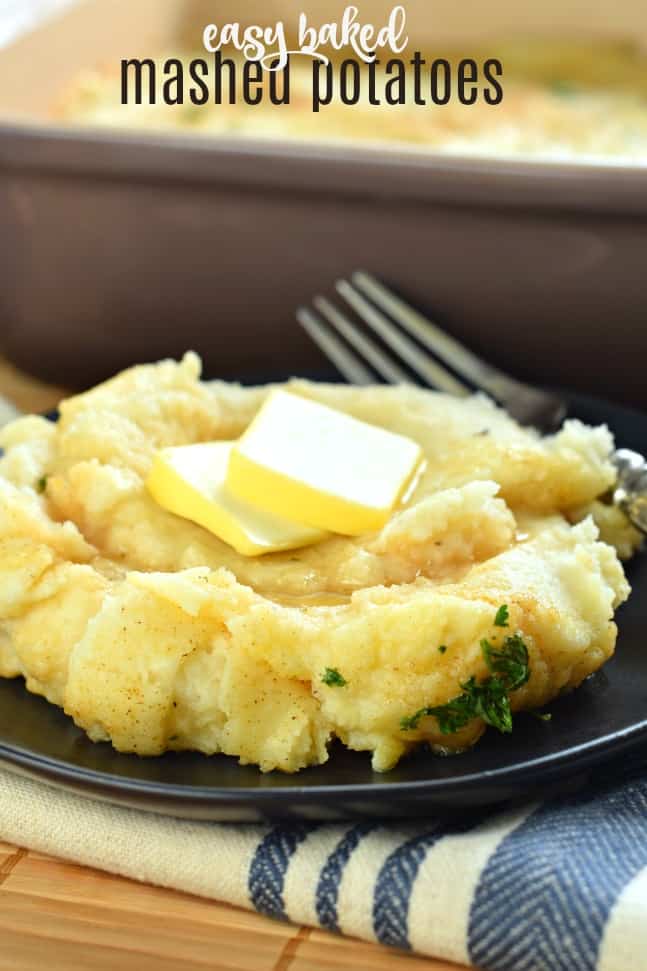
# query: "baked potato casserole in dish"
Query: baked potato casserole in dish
560,99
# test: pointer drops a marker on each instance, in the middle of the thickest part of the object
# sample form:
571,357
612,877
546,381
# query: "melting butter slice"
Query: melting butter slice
318,465
190,482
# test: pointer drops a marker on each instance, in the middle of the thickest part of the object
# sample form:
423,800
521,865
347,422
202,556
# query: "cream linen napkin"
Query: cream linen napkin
560,886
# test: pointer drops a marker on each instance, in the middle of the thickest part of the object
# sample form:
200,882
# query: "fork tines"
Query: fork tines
405,337
340,337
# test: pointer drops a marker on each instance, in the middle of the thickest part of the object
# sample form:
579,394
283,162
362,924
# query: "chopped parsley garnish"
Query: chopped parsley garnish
502,616
442,649
192,114
333,678
562,88
488,699
510,663
542,716
41,485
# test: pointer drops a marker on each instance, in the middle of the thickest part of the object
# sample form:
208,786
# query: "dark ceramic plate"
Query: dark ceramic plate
604,721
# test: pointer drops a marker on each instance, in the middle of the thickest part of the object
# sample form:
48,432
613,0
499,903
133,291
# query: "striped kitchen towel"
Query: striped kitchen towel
560,886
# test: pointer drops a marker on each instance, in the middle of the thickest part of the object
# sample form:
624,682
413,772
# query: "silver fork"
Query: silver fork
359,357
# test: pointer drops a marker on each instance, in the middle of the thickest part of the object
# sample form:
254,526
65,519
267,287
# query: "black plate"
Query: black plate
605,719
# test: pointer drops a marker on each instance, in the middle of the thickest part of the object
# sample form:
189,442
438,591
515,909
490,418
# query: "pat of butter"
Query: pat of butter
318,465
190,482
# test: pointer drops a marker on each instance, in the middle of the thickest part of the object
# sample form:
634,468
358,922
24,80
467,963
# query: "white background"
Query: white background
18,15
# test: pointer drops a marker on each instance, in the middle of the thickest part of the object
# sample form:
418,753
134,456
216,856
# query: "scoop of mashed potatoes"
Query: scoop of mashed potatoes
153,634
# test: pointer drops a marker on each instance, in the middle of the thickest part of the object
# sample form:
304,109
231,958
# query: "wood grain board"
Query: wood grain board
63,917
69,918
27,393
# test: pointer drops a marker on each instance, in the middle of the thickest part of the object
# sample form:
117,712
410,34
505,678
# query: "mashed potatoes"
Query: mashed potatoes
153,634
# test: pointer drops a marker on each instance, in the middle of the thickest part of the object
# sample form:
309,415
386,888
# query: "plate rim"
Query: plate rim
580,757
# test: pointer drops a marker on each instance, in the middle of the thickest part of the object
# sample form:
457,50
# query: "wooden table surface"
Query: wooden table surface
68,918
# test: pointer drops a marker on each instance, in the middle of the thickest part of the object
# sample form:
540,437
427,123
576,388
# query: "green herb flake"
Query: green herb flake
193,114
442,649
488,699
41,485
410,722
502,616
510,663
562,88
333,678
542,716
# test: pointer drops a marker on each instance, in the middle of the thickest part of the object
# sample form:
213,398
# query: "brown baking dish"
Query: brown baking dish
120,247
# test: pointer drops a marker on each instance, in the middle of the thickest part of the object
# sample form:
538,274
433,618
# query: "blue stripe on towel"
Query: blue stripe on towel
544,898
327,893
397,877
270,865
